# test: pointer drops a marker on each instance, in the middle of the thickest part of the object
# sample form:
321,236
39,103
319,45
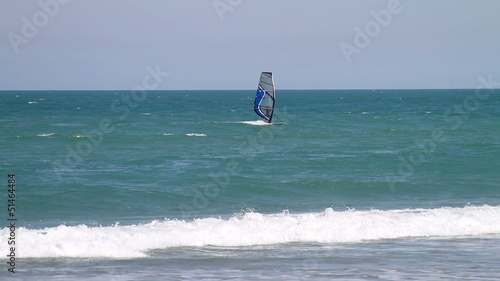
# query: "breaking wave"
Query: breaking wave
248,229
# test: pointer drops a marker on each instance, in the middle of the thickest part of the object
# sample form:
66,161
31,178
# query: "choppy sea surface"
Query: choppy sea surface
191,185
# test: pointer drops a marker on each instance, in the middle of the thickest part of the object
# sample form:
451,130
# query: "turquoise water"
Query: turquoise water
171,185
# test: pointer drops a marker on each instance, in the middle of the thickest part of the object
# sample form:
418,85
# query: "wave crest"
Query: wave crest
254,228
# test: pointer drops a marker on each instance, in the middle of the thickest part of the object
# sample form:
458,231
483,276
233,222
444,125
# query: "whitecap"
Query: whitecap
253,228
45,135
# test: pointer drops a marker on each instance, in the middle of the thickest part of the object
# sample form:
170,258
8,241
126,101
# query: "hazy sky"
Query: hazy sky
225,44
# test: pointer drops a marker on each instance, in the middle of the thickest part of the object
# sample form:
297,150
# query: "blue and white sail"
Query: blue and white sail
266,96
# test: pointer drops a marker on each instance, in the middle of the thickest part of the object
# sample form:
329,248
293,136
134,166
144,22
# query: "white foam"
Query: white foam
45,135
254,229
196,135
255,123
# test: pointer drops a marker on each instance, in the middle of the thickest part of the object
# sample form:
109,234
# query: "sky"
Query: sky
225,44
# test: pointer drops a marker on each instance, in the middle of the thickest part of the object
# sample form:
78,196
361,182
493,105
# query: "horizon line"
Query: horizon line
226,90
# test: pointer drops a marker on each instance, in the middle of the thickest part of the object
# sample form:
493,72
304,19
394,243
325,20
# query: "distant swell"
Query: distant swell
254,229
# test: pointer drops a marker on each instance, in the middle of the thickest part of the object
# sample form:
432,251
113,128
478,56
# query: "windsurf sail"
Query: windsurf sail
265,98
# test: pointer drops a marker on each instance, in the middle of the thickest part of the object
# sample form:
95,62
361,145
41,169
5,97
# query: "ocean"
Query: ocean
191,185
